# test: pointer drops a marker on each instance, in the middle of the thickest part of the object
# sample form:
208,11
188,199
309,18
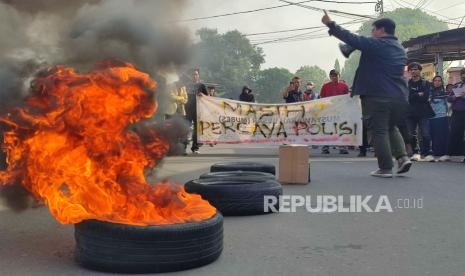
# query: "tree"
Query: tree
227,59
337,66
270,85
312,73
409,23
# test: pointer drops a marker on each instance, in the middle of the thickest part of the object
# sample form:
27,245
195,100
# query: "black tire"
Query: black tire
124,248
236,197
243,166
239,175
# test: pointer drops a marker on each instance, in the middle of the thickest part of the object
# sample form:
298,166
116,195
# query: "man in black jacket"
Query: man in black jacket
420,112
196,88
382,89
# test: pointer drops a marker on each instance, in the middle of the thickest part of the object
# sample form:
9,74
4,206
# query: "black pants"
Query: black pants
382,117
191,116
422,124
363,148
439,128
457,127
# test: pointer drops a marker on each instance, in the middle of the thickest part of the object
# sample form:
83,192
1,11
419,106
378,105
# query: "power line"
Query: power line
292,30
291,38
270,8
456,4
332,11
461,22
239,12
286,31
438,14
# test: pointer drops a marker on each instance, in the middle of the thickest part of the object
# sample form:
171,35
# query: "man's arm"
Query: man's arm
287,90
358,42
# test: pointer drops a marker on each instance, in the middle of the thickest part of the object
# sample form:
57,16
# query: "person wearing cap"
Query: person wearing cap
419,113
334,87
382,89
456,144
309,94
246,95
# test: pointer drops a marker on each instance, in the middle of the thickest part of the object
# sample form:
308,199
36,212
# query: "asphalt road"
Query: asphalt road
407,241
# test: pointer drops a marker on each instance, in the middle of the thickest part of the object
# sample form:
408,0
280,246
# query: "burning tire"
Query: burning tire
236,197
124,248
239,175
243,166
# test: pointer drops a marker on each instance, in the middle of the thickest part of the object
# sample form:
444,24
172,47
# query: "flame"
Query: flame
73,146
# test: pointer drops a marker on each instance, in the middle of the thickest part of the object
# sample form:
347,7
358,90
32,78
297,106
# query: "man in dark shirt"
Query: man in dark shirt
246,95
196,88
382,89
292,94
419,113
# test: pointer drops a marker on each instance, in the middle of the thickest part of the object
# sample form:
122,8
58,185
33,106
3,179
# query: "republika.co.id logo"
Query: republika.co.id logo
339,203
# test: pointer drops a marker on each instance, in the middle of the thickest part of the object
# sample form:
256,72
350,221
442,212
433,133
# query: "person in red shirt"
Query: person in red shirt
334,88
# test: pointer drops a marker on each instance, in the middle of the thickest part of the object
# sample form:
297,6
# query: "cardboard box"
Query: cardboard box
294,165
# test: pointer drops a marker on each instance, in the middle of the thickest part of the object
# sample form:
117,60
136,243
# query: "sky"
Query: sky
317,48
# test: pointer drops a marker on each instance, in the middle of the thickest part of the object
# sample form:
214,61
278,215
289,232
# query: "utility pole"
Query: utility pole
380,8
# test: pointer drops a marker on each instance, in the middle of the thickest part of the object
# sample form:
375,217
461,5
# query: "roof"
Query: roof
451,44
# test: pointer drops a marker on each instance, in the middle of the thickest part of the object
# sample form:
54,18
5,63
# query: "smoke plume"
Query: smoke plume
79,33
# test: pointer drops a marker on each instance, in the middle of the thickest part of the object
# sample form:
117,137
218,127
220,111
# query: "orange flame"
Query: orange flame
72,147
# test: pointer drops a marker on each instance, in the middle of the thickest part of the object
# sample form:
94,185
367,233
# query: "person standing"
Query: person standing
420,112
309,94
456,145
334,88
439,124
246,95
382,89
176,103
292,94
196,88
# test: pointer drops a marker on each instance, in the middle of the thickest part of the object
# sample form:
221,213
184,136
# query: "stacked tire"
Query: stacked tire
239,188
122,248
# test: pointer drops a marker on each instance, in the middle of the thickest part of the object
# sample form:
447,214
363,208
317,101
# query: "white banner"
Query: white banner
329,121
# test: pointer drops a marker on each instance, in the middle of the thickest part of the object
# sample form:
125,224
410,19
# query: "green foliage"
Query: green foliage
312,73
270,85
227,59
410,23
337,66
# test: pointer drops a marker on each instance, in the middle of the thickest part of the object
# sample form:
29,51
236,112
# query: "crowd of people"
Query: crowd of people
433,129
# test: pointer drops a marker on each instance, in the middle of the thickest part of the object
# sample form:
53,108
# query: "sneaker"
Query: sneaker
195,151
415,157
429,158
343,151
444,158
382,173
325,151
404,165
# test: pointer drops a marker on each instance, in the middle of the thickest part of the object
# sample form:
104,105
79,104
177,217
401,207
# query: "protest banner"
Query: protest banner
329,121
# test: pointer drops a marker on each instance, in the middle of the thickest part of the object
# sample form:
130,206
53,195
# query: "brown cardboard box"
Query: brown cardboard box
294,164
